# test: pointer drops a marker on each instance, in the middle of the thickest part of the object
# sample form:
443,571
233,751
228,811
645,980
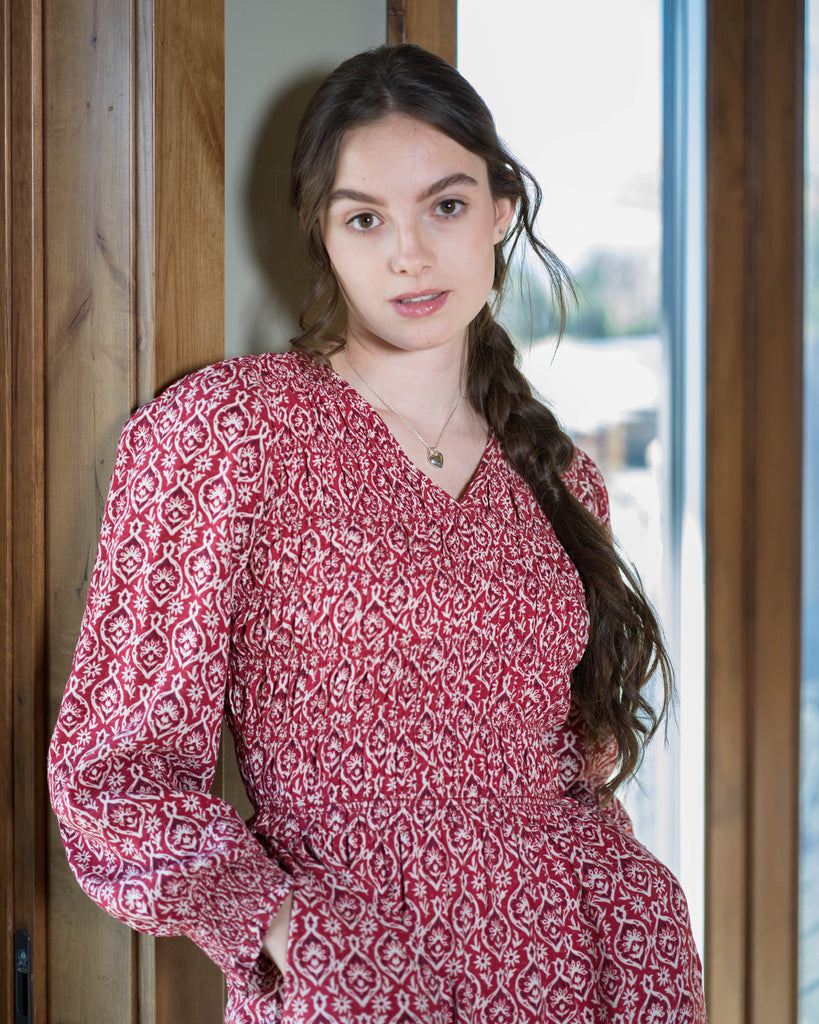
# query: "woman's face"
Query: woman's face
410,228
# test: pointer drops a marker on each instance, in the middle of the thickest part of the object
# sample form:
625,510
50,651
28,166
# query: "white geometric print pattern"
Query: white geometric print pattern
395,668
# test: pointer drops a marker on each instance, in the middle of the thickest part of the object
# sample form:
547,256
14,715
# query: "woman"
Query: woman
381,557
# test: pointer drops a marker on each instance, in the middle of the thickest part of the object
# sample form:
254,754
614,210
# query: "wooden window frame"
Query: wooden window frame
754,399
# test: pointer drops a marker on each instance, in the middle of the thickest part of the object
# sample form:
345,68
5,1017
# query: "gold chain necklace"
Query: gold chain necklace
434,455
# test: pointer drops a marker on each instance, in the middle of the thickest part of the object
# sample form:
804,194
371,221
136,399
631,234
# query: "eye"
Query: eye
450,207
363,222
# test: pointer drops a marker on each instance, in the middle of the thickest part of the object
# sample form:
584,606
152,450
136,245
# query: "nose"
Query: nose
411,255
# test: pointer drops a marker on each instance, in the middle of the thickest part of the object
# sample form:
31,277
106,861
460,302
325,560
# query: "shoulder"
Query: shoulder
585,481
207,450
248,396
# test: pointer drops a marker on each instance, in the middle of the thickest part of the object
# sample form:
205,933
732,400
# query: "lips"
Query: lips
414,304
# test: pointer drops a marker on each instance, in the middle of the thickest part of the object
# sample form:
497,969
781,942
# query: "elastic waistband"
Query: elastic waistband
422,807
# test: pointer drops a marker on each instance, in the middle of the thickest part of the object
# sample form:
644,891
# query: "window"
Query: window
611,124
809,773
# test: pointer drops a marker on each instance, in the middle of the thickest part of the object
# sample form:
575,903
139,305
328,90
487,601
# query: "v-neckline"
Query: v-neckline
346,390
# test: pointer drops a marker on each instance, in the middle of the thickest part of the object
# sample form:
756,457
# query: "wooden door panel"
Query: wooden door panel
22,613
189,162
753,507
88,337
89,391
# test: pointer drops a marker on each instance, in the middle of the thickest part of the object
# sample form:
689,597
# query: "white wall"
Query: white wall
275,53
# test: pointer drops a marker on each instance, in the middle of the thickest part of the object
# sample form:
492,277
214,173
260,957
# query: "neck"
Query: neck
419,384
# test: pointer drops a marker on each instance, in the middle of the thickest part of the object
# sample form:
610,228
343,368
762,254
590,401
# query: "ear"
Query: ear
504,211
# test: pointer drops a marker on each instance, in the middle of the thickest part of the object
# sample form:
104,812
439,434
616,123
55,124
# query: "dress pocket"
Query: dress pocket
289,986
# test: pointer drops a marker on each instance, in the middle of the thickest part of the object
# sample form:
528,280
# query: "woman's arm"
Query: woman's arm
586,765
585,481
133,754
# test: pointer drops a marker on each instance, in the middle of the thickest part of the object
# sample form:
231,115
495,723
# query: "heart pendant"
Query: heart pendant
436,459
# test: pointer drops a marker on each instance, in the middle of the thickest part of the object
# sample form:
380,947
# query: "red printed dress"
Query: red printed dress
395,667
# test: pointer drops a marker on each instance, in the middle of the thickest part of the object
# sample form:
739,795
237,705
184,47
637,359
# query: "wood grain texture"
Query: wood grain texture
189,155
396,21
777,302
753,512
80,351
6,606
90,391
24,484
432,24
726,493
80,172
143,100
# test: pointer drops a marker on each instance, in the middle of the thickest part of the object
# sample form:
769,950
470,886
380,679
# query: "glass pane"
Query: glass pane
809,796
584,111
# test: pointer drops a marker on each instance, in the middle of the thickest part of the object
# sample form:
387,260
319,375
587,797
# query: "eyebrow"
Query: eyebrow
450,181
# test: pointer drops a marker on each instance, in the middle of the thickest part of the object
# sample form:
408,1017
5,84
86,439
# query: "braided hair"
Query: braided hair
625,648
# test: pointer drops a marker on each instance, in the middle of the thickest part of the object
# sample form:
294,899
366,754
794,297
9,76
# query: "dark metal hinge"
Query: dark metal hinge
22,977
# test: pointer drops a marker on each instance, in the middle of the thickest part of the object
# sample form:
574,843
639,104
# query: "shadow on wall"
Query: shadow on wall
272,226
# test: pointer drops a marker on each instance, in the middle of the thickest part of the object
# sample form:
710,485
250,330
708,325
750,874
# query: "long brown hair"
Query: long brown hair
625,648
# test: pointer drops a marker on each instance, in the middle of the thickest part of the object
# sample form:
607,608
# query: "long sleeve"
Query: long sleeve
133,754
585,766
585,481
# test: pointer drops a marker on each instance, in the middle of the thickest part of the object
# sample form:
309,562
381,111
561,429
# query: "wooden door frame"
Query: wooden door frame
753,506
22,607
432,24
172,211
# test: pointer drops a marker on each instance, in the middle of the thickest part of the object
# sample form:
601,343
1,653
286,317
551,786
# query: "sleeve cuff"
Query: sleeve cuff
234,906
